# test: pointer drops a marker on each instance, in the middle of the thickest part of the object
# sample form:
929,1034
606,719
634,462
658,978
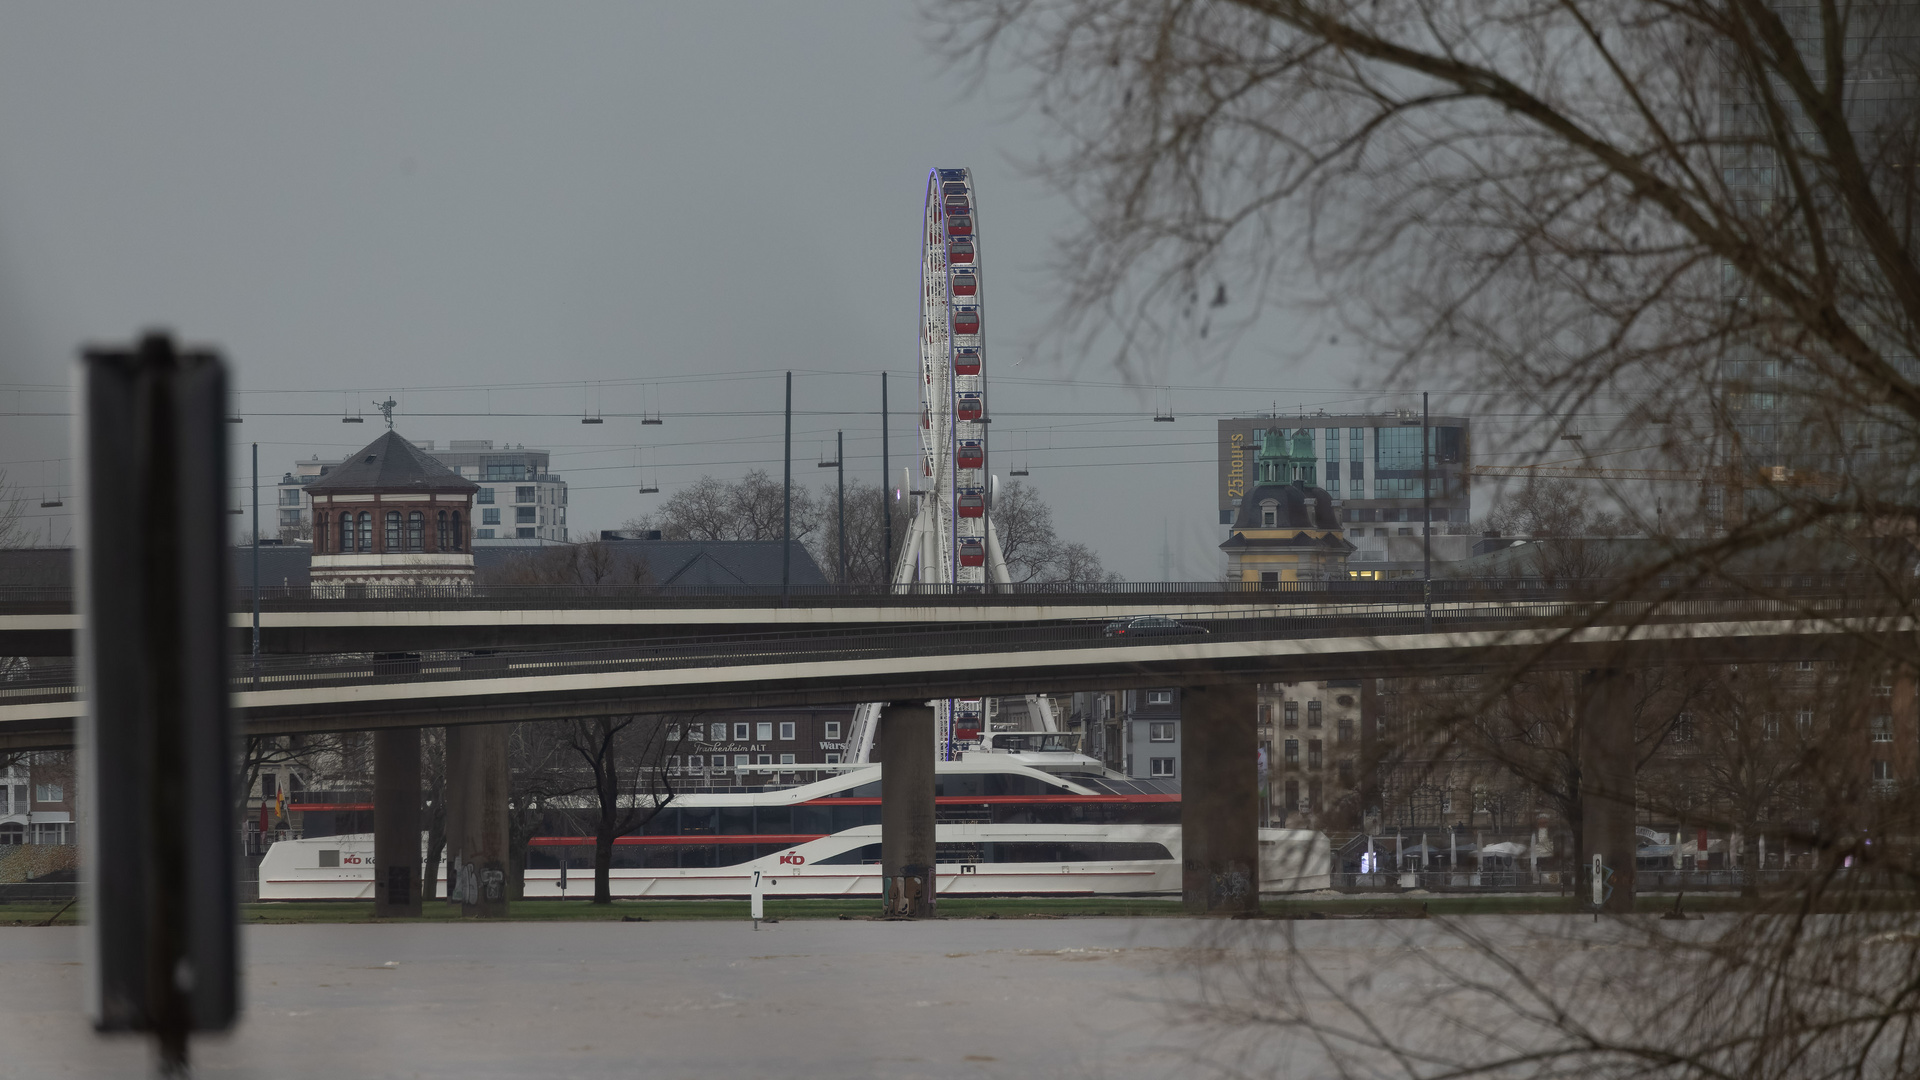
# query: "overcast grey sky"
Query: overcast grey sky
503,214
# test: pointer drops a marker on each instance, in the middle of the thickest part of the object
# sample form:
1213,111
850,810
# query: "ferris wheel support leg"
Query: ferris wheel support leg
997,571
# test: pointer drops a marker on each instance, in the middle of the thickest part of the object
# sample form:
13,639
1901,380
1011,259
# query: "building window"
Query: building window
673,762
523,515
1313,796
1883,770
696,761
1290,715
1346,772
459,534
786,759
483,534
1882,728
1314,758
1269,516
525,532
831,759
53,832
1292,753
393,530
740,761
1770,727
1269,579
763,759
718,733
1806,665
269,785
366,531
1162,766
763,731
525,494
832,729
490,517
1266,714
1159,697
1683,728
1292,797
786,731
289,496
48,793
346,533
1343,729
673,732
740,732
416,527
442,539
12,834
1804,721
1313,713
1160,731
483,496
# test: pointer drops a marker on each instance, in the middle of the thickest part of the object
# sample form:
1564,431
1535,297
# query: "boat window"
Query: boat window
813,819
773,820
696,820
736,820
1082,851
665,822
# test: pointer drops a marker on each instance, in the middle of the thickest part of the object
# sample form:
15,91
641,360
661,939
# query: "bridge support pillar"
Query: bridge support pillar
477,819
396,822
906,808
1219,799
1606,785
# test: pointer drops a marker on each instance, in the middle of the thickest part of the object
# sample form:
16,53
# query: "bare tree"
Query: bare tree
13,514
542,781
625,761
751,508
590,563
713,509
1552,507
1689,220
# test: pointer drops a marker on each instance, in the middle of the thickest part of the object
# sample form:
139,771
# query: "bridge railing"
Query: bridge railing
42,599
1381,615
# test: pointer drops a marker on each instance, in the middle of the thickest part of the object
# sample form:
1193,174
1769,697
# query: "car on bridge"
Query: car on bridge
1151,626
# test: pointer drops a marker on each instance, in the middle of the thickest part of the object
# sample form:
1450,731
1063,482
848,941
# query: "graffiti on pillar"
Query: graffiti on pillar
469,884
494,882
1232,886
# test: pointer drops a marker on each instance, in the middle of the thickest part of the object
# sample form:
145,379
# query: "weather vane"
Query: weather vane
386,409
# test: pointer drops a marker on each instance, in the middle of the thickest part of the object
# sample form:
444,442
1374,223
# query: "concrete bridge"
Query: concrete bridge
473,691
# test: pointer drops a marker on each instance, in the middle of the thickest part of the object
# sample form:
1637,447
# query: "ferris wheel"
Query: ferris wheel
951,539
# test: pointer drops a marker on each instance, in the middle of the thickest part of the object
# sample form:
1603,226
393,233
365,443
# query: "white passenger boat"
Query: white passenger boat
1026,816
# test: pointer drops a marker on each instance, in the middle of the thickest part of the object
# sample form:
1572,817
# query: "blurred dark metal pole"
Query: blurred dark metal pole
786,488
840,475
1426,509
256,566
157,749
886,481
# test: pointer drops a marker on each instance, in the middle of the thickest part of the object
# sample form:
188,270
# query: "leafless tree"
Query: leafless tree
627,780
1551,507
589,563
751,508
13,513
715,510
1690,221
543,778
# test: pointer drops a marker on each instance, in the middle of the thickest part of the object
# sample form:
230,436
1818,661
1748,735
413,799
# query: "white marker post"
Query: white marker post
758,901
1599,893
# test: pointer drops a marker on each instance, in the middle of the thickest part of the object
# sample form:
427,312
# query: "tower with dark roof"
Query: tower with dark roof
1286,528
391,516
